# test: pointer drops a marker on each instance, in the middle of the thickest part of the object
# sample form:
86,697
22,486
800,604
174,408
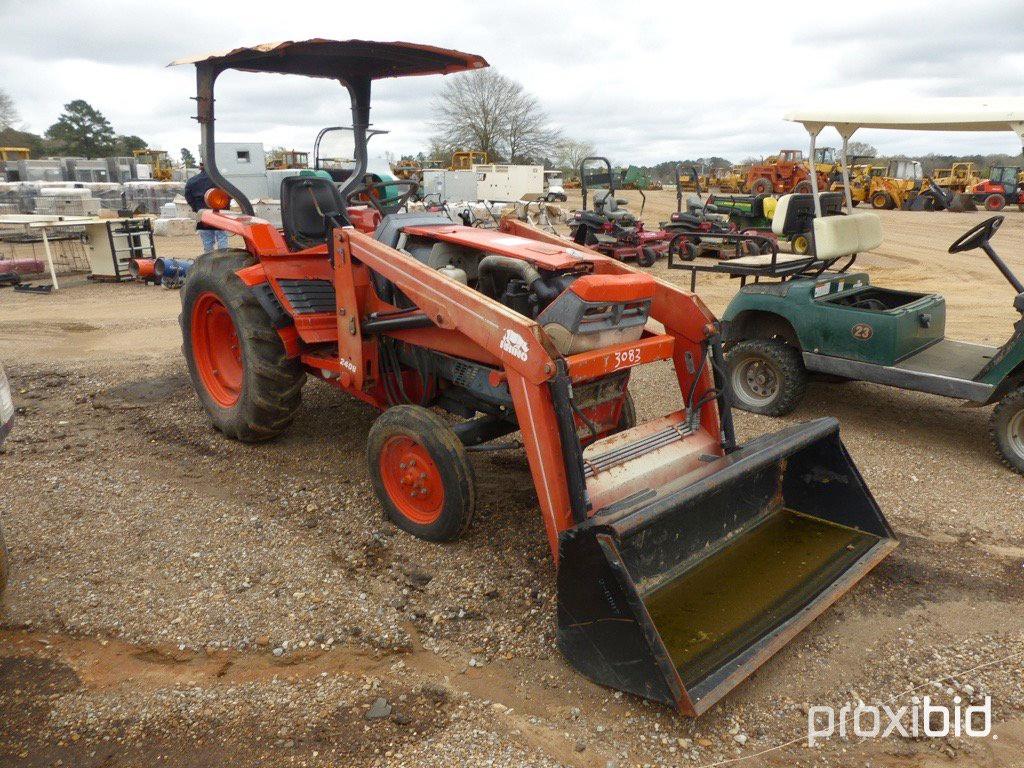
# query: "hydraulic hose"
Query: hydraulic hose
495,264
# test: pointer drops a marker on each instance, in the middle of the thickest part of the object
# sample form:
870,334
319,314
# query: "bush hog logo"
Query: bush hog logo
515,345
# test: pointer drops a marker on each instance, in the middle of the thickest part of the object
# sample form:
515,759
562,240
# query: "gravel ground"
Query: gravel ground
181,599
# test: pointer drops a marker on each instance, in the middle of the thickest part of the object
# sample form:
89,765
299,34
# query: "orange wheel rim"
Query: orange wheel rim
412,479
216,350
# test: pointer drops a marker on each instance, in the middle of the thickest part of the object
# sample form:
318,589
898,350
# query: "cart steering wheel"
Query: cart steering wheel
977,236
364,194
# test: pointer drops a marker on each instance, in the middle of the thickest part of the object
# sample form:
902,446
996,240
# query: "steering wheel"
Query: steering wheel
977,236
364,195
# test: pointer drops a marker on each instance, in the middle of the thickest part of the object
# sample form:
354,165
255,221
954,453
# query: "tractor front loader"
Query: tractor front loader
684,559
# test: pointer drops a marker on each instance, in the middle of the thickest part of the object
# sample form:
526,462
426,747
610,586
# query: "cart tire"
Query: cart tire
236,359
762,186
803,188
1006,428
766,376
995,202
881,201
420,473
5,561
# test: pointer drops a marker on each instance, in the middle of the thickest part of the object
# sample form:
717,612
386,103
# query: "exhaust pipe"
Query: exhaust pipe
679,593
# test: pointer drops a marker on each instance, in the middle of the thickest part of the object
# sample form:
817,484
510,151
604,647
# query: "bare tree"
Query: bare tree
569,153
486,111
8,112
860,149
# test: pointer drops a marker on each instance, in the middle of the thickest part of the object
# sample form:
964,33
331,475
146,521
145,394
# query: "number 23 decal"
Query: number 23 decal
862,331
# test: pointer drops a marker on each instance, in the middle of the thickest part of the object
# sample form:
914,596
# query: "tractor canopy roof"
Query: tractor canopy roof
345,60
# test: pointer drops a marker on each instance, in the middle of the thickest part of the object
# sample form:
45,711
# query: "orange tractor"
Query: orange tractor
684,559
786,172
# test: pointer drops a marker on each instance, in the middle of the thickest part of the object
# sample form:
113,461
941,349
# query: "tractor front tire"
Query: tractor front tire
995,202
762,186
1006,428
420,473
236,359
766,376
881,201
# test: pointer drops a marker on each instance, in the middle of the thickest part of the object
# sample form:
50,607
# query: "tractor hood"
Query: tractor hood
346,60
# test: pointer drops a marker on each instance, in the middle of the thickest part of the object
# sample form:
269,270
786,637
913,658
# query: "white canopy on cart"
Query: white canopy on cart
934,115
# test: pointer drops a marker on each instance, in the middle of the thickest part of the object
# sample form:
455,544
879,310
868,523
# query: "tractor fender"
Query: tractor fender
257,281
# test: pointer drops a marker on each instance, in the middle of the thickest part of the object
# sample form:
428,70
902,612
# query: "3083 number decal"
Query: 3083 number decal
628,357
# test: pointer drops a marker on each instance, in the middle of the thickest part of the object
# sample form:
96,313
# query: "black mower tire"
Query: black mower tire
647,257
444,475
801,244
762,186
1006,428
786,376
995,202
271,382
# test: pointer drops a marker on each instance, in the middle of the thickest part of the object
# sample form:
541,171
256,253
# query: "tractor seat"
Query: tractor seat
765,259
390,228
308,206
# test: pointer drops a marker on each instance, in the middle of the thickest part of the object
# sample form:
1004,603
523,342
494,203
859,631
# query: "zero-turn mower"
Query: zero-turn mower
684,559
610,228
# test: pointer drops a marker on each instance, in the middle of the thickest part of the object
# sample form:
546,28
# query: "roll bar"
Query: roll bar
353,63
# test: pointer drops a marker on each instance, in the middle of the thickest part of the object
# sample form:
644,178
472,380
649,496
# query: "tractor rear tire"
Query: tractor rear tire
762,186
803,188
995,202
236,359
1006,428
420,473
881,201
766,376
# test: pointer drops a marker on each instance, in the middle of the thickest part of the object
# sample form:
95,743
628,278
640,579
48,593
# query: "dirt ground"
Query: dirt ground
180,599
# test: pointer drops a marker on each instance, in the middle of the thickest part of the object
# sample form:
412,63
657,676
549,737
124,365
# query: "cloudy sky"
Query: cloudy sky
644,81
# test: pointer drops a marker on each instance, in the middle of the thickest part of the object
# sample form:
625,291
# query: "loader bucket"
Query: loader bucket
679,593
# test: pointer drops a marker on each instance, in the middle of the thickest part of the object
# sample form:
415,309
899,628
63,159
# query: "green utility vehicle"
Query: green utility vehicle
798,316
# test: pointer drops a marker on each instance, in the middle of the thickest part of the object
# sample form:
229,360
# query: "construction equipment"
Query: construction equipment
959,178
611,228
635,177
684,560
725,179
160,166
896,187
285,159
1003,185
822,318
786,172
14,153
465,159
408,169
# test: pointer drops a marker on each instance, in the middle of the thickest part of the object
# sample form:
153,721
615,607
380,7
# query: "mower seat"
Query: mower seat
308,206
